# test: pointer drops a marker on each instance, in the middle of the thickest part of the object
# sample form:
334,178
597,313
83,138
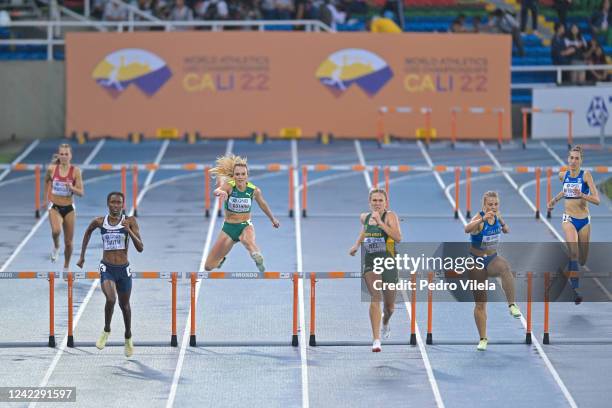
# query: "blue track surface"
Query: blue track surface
244,326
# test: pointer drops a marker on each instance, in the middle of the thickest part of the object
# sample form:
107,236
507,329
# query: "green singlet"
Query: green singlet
378,244
239,202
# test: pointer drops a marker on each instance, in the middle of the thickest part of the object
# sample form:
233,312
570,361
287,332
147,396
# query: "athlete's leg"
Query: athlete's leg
68,225
480,302
221,248
124,304
55,219
109,290
584,237
389,302
375,299
500,267
247,237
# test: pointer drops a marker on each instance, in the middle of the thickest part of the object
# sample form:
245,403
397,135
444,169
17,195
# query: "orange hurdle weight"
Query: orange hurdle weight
429,339
546,339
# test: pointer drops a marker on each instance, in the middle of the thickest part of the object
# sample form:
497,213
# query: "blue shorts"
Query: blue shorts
120,274
578,223
486,260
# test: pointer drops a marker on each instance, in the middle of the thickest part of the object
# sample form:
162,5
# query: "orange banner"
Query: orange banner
231,84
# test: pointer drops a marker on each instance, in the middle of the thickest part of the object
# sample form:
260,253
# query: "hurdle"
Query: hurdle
50,277
477,110
384,138
570,127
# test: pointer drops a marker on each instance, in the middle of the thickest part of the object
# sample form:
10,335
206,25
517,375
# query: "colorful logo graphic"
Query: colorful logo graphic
354,66
597,115
131,66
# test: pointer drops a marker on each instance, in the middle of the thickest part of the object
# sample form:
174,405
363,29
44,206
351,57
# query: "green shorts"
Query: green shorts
388,275
234,230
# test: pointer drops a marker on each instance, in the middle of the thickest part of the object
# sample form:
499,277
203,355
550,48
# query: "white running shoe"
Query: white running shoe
376,347
386,331
259,261
102,340
54,254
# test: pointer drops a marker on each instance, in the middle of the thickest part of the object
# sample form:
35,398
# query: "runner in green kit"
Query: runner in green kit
238,194
380,231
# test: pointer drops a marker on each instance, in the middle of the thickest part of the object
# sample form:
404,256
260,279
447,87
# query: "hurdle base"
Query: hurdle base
219,214
304,213
52,341
429,339
546,339
537,215
290,213
528,338
548,214
524,146
312,341
192,340
70,341
456,214
135,212
37,213
207,213
468,214
413,340
294,340
173,341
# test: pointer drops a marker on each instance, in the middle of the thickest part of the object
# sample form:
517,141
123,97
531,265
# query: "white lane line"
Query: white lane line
42,219
19,158
440,181
92,288
16,180
424,356
541,352
297,215
187,331
551,152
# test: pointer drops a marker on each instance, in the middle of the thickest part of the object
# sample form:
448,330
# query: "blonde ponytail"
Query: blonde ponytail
224,167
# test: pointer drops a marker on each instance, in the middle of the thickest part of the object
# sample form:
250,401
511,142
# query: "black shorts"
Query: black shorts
120,274
63,210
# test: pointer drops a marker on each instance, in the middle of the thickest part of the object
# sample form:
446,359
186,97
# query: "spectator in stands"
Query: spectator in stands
529,5
284,9
383,25
97,8
146,6
268,9
114,12
458,25
503,22
562,6
212,10
597,57
558,51
601,20
477,24
576,47
330,15
180,12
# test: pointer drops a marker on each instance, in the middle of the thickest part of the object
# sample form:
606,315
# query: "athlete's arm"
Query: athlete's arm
593,196
355,247
77,188
555,200
392,226
223,191
474,225
94,225
505,228
258,196
131,226
561,175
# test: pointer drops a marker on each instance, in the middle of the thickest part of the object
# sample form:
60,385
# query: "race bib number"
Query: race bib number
375,245
568,189
490,240
128,271
566,218
60,188
113,241
238,204
102,268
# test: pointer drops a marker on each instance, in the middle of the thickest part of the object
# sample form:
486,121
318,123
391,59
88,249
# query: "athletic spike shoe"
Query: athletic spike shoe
376,347
222,262
514,311
482,344
102,340
259,261
54,254
129,347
